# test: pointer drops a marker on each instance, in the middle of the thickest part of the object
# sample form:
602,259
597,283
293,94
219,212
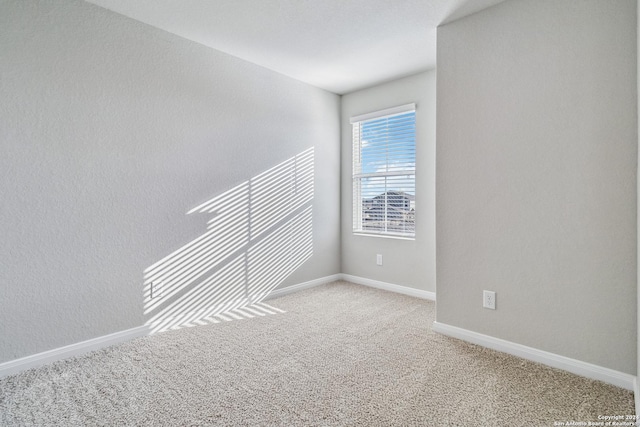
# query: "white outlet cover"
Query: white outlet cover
379,259
489,300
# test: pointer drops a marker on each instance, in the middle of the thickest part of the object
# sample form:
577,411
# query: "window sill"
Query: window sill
384,236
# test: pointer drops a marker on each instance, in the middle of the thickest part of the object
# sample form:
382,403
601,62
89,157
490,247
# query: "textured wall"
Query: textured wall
405,262
536,176
110,132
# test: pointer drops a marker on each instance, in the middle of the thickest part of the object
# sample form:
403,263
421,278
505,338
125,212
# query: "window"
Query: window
384,167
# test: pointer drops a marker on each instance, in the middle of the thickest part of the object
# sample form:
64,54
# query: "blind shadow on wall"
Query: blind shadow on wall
259,233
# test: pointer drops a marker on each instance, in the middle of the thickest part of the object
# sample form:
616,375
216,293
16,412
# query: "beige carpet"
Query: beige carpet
340,355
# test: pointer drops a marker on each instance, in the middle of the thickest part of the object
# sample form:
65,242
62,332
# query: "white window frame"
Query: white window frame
358,176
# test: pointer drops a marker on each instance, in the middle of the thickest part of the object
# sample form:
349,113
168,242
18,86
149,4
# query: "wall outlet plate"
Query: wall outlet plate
489,299
379,259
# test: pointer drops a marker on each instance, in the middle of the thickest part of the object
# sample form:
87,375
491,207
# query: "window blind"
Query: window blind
384,162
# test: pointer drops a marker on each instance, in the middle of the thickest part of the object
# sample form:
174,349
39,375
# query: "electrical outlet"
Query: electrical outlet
489,299
379,259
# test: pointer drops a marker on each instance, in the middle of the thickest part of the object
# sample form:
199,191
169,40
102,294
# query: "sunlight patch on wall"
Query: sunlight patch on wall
261,232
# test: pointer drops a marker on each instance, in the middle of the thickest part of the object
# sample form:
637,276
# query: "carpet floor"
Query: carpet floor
339,355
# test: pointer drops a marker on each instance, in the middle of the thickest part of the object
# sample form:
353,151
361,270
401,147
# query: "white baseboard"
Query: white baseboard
405,290
14,366
636,397
578,367
304,285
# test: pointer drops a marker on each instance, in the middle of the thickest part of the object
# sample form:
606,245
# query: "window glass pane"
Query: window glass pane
384,175
388,204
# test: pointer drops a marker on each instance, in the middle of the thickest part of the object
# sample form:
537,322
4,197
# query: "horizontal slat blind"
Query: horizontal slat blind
384,159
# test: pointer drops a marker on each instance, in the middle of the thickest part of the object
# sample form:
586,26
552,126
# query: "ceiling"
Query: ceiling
337,45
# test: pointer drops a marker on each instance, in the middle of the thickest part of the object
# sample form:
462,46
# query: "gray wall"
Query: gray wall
110,132
405,262
536,175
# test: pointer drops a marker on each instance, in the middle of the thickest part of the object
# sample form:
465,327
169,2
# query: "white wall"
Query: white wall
110,132
536,176
405,262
